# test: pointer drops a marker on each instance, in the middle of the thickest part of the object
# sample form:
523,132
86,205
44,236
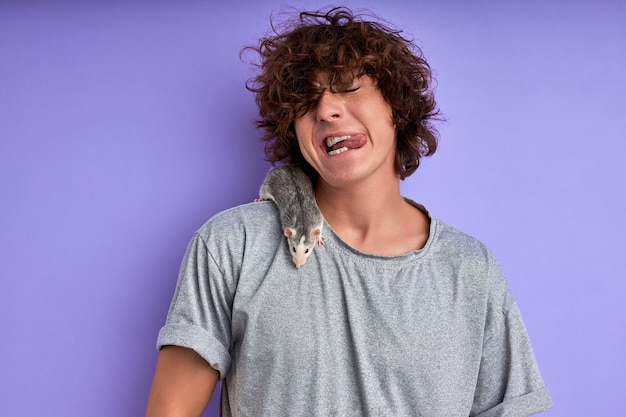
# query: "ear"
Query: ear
317,235
289,232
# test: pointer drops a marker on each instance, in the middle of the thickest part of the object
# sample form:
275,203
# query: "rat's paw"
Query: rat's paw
320,240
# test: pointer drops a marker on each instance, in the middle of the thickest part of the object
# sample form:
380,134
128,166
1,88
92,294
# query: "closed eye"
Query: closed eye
350,89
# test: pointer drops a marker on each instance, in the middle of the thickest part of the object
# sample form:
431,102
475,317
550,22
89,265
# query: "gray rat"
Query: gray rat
291,189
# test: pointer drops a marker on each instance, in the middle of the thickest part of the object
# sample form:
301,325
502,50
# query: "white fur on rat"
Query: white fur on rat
292,192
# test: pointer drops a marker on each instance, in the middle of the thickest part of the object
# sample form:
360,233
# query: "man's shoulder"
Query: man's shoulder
459,244
242,219
470,259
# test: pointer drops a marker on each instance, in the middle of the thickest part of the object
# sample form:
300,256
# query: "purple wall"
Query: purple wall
125,125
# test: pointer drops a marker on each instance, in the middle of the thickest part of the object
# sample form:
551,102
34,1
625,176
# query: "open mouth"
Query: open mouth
335,145
338,144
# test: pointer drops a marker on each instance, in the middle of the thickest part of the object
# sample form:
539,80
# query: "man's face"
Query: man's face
349,136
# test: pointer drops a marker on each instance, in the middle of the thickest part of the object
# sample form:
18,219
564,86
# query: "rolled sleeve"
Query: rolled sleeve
509,382
199,315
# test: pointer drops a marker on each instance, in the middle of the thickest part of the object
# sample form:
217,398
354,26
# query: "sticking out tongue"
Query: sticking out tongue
354,142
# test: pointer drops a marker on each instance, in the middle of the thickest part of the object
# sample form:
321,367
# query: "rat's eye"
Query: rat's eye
306,251
293,249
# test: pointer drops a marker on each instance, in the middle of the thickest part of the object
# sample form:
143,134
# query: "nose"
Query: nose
329,107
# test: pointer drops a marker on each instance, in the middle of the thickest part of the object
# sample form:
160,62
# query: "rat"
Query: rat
291,189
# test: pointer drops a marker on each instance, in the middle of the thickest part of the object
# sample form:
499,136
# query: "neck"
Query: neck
359,206
373,217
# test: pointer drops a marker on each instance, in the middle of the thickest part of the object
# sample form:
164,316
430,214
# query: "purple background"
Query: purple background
125,125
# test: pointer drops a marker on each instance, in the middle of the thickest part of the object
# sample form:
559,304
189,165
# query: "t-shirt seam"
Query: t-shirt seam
217,266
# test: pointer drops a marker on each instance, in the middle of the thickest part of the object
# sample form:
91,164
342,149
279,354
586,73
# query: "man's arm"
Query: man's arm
183,384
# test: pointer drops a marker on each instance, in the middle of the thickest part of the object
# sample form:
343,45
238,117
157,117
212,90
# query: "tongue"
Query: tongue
353,143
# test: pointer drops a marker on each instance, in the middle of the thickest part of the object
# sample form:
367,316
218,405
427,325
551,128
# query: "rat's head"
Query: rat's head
342,45
300,245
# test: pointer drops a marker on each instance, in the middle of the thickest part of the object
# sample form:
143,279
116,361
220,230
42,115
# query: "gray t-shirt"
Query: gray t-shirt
434,332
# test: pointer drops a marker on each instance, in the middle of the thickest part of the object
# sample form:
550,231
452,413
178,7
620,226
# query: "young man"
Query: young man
398,314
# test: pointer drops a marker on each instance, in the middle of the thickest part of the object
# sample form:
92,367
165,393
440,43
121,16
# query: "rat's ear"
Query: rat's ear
317,235
289,232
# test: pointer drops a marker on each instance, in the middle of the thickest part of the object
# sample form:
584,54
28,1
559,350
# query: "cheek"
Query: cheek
303,126
303,134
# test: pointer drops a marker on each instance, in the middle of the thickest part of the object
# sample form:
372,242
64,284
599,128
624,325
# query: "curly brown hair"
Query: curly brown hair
343,46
